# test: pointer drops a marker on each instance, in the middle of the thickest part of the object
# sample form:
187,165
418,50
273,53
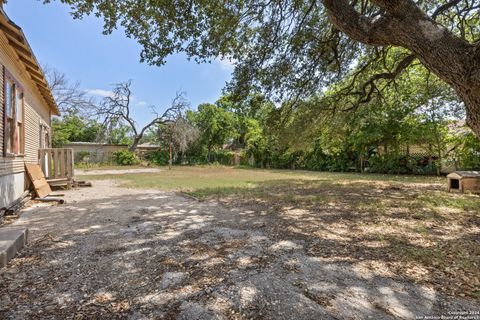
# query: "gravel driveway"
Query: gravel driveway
113,252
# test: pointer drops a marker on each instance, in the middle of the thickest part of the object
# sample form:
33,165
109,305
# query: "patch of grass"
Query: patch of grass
434,200
102,166
218,180
379,206
202,180
204,193
421,229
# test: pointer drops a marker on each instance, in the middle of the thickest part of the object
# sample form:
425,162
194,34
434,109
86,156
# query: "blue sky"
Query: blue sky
80,50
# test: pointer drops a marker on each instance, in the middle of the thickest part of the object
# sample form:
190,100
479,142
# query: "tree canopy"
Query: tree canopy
73,128
215,124
295,48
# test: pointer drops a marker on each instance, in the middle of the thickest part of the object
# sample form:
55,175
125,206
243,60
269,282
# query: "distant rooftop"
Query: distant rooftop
148,145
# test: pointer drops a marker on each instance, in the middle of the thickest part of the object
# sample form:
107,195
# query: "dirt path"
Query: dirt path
113,252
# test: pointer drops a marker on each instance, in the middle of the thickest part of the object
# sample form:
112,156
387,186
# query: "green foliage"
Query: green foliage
290,49
401,164
125,158
160,158
216,125
306,134
120,134
256,142
150,136
468,154
294,49
223,157
285,46
73,128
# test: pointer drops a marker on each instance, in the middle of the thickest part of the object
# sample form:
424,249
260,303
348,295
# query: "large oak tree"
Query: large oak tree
299,46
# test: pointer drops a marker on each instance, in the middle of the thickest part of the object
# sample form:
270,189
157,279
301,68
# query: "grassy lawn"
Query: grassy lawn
204,181
405,226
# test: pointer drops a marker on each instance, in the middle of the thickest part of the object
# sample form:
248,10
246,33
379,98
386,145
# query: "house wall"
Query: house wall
12,186
12,170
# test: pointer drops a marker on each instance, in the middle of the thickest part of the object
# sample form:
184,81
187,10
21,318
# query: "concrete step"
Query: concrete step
12,240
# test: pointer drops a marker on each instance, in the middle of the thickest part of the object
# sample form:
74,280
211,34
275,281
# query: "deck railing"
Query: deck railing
56,163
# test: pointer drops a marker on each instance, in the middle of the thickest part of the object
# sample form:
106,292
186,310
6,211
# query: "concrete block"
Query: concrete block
12,240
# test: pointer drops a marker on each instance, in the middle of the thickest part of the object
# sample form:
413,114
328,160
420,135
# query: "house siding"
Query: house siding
7,165
32,133
13,179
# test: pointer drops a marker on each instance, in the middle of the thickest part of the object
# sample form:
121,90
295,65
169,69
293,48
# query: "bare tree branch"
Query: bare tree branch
69,97
116,110
368,88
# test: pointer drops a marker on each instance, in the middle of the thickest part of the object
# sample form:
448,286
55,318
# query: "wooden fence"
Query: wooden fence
56,163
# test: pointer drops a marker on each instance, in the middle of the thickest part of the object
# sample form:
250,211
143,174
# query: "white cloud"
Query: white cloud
106,93
99,92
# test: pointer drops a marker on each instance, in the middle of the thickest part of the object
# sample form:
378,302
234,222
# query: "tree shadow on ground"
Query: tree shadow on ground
159,255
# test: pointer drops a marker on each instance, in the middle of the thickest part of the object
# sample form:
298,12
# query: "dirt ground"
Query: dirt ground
114,252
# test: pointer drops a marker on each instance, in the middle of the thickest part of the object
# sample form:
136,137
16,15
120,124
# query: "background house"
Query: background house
26,108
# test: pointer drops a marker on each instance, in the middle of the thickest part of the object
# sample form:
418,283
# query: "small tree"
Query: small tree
256,141
178,135
216,125
116,111
73,128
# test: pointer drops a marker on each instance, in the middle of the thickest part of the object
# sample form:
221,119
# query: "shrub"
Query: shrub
392,164
124,158
195,159
159,157
401,164
223,157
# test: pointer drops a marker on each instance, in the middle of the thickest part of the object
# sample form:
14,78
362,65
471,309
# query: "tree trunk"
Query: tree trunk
209,154
170,160
135,143
404,24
